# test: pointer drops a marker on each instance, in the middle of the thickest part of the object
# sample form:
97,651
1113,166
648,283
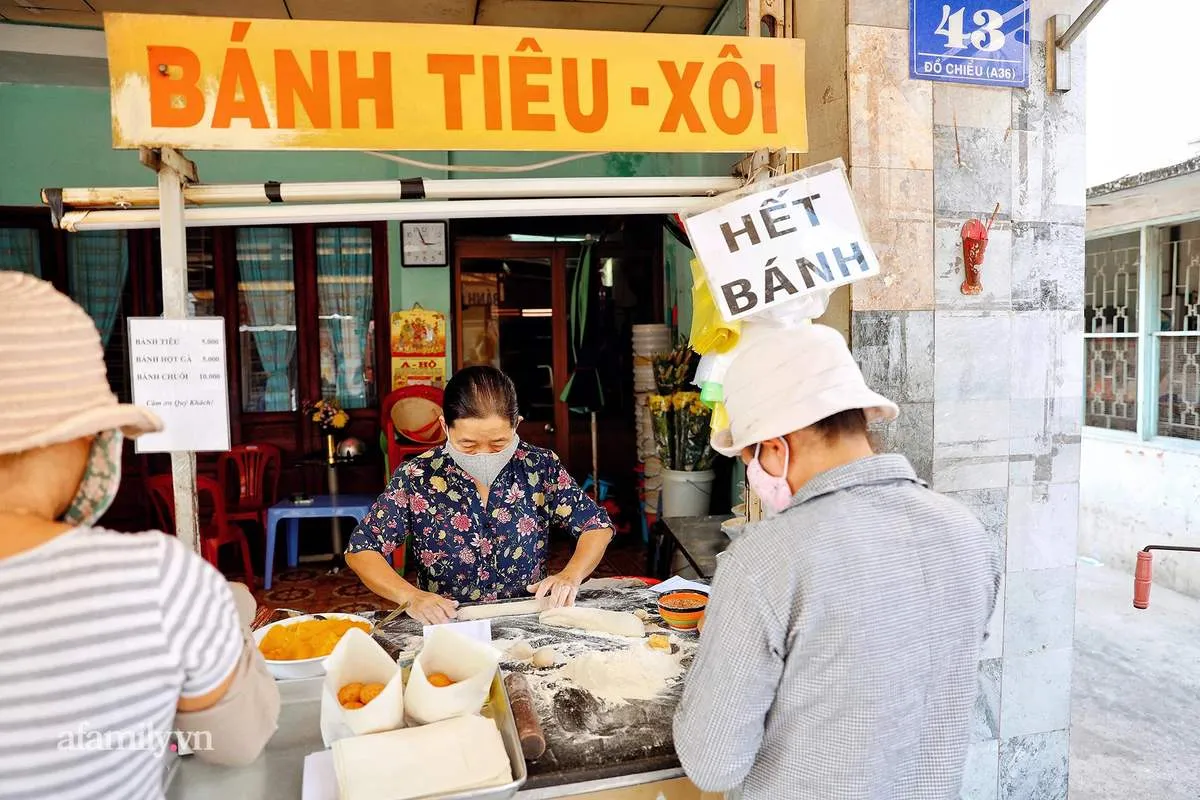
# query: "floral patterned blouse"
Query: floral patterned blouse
468,552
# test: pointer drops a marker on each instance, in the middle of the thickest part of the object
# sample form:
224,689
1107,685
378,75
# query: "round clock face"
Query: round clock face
424,243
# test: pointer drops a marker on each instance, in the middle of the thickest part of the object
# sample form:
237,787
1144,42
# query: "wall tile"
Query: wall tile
970,445
972,356
895,351
1035,690
972,106
973,171
981,773
1043,526
896,207
880,13
986,724
1047,266
1045,437
1052,340
1035,766
910,434
1039,611
990,507
891,113
993,644
995,275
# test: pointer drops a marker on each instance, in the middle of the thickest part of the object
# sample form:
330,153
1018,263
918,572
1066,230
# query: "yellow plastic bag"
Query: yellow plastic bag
710,332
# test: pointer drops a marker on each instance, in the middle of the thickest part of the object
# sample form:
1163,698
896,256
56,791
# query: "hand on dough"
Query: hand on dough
558,590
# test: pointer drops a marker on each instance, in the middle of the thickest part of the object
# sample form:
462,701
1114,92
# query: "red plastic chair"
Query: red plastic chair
414,442
255,468
215,528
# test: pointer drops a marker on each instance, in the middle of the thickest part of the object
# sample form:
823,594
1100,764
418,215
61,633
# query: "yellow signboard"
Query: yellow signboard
266,84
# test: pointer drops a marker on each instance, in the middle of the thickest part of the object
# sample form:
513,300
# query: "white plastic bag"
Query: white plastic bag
470,664
360,659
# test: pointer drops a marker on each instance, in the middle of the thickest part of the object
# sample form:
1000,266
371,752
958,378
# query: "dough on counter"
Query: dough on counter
545,657
641,614
493,610
446,757
619,623
521,650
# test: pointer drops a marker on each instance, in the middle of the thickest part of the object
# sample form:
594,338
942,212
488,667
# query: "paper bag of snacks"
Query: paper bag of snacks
450,678
364,689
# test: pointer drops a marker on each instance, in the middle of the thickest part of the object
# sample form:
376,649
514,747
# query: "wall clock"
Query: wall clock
424,244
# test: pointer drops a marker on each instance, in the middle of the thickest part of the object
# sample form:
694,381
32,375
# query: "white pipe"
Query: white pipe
394,190
195,217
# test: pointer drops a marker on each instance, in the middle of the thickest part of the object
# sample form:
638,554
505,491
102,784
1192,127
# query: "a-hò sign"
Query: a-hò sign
775,242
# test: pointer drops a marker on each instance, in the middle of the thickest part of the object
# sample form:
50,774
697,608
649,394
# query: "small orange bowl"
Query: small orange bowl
682,609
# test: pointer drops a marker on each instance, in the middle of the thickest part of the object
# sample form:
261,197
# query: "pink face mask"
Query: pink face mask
773,491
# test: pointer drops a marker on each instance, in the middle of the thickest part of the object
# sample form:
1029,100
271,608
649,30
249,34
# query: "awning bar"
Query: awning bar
1085,17
408,189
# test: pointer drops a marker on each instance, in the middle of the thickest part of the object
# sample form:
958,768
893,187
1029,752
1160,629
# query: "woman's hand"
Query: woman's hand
428,608
558,590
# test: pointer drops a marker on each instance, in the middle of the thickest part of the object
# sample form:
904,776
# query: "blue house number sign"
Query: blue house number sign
983,42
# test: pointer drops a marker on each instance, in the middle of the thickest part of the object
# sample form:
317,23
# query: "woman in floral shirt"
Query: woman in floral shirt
479,510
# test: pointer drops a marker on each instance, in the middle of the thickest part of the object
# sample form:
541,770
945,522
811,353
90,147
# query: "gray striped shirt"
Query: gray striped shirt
841,645
101,633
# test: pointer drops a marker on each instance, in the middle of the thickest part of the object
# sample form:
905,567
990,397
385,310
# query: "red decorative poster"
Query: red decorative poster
418,348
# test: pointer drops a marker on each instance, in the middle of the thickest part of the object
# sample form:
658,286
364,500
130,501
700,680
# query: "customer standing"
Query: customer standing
108,641
840,651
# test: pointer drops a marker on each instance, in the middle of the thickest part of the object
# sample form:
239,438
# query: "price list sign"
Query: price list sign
177,370
984,42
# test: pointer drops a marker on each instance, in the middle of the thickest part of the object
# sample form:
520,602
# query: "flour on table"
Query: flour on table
618,676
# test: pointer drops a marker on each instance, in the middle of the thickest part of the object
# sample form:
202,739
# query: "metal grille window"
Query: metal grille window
1178,332
1111,293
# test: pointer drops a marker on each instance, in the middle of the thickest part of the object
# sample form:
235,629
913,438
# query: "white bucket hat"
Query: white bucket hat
52,373
782,380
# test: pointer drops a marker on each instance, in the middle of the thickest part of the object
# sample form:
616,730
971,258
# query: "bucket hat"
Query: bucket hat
785,379
53,379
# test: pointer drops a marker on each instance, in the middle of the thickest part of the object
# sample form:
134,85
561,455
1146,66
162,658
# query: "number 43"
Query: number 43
987,37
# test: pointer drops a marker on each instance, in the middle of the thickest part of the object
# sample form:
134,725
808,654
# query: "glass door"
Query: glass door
510,314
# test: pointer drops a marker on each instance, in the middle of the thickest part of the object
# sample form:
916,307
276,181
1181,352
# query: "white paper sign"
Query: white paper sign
800,235
177,370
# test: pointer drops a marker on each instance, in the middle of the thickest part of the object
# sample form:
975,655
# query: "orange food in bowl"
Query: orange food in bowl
439,680
683,609
312,638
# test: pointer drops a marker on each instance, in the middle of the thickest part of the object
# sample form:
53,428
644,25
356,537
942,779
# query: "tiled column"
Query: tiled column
989,385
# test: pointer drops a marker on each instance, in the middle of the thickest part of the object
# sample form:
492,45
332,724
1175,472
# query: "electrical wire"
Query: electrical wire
553,162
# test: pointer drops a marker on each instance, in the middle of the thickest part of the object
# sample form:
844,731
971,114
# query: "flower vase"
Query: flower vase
330,447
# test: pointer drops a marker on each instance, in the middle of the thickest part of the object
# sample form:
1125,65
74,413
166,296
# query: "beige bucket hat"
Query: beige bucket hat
782,380
53,379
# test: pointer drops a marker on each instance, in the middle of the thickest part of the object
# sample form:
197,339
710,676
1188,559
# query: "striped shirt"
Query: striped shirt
840,651
101,633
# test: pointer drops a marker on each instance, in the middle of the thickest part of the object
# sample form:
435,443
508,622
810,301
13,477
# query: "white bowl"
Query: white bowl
733,527
303,667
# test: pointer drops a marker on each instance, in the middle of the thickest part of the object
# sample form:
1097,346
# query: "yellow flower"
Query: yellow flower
658,403
341,419
538,498
563,511
438,483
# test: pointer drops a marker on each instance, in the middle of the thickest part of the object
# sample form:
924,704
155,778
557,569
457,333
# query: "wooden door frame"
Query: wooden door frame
557,254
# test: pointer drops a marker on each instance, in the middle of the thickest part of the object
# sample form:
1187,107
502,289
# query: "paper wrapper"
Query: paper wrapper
470,664
359,659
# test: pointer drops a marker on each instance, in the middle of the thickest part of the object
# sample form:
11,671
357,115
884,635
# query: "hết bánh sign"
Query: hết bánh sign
252,84
798,234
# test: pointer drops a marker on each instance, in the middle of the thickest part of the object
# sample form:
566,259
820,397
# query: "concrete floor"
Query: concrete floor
1136,692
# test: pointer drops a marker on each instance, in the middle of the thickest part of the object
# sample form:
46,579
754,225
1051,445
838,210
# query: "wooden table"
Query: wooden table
699,539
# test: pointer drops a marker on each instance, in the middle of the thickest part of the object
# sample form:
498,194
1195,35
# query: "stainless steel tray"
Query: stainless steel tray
499,710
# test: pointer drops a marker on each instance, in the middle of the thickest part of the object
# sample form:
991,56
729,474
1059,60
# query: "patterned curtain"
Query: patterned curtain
267,282
20,250
97,268
345,294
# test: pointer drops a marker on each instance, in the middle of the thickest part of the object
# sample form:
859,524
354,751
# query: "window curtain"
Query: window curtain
345,293
267,281
97,268
20,250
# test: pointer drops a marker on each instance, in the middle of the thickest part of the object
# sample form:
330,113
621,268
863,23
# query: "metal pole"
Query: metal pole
175,306
1085,16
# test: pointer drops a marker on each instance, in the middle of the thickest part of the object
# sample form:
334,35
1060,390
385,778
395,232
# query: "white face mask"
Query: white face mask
101,479
483,467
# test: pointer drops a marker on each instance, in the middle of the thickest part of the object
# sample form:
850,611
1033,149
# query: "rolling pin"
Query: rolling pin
529,727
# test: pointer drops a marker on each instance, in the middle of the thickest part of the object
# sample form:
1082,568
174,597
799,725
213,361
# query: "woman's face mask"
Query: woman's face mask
773,491
101,479
482,448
